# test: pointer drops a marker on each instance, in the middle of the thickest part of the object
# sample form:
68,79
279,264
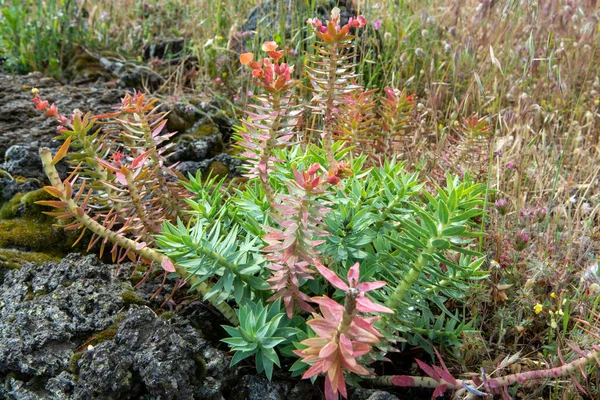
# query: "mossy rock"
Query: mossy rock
10,209
129,297
218,169
23,205
200,130
32,235
15,259
167,315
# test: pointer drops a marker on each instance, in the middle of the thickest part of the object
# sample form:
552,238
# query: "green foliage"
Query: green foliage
39,35
312,211
261,329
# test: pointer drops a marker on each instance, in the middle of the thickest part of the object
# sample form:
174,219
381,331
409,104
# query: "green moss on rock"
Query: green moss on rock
32,235
167,315
23,204
15,259
200,368
35,211
10,209
129,297
218,169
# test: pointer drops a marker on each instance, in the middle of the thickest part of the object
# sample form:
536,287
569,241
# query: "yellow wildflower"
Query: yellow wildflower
553,295
34,90
538,308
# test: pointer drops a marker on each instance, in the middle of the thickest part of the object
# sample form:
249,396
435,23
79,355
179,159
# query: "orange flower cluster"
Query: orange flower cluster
50,112
270,74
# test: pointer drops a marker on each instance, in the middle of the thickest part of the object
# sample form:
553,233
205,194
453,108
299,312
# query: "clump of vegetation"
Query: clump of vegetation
316,208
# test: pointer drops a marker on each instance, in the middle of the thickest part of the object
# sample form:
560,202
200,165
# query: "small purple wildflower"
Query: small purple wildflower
540,214
501,206
521,241
377,24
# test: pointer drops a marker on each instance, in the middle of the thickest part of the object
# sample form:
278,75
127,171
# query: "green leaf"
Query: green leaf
257,283
426,220
443,212
454,230
239,356
269,343
440,244
268,366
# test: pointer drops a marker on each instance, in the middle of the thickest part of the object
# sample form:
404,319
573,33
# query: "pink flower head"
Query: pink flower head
359,22
377,24
269,46
363,303
117,158
315,22
41,105
63,120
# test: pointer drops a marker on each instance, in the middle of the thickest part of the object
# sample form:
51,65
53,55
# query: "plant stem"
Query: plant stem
410,278
349,312
329,121
268,148
492,384
128,244
139,207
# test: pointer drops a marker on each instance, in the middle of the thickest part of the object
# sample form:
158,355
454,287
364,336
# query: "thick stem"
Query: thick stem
330,105
492,384
146,252
409,279
268,148
139,207
166,193
349,312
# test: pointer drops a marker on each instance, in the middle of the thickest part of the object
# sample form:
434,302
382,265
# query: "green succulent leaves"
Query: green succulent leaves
261,329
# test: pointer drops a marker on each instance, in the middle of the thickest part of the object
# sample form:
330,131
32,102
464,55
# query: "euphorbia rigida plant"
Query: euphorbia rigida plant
270,250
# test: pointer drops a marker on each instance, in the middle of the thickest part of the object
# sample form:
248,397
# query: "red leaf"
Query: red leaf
428,370
167,265
107,165
62,152
438,391
445,375
121,178
159,128
365,305
331,276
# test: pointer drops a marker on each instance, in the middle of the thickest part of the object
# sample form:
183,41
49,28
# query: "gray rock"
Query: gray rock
23,161
195,147
139,77
9,187
370,394
21,123
164,49
44,309
259,388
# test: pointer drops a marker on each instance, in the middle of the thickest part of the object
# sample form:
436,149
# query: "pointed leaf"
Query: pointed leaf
62,152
